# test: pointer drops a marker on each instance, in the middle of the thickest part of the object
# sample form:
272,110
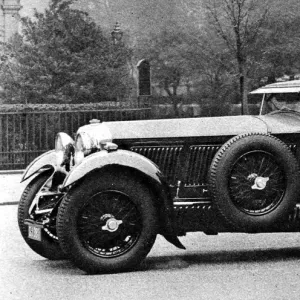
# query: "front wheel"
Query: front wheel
48,247
107,224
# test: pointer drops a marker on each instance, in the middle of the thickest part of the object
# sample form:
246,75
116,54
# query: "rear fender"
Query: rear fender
140,166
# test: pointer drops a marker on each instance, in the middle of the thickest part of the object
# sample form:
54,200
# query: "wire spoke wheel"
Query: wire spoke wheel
109,224
257,183
48,247
254,181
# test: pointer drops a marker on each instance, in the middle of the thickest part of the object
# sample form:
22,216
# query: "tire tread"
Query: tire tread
214,169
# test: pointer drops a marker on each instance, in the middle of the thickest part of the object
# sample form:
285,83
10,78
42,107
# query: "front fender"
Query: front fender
45,161
146,168
123,158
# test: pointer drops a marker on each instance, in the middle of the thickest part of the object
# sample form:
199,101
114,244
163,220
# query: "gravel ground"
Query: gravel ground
11,188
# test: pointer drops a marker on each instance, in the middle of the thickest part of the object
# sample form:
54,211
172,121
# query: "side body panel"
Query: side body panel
185,164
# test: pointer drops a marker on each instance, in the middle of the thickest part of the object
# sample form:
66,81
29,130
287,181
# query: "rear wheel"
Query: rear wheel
107,224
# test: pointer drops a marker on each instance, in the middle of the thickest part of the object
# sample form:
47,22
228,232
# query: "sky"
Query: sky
137,17
29,5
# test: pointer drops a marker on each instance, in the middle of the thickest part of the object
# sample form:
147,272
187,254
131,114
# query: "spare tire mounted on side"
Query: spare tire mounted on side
254,181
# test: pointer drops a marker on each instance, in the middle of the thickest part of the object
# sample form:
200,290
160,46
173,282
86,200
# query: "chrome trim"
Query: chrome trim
182,203
40,193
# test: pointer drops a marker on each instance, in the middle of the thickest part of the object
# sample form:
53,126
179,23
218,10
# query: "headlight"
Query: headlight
83,146
83,143
64,146
90,139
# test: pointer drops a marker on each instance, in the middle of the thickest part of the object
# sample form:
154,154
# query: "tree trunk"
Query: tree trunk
271,79
175,101
243,88
175,105
173,97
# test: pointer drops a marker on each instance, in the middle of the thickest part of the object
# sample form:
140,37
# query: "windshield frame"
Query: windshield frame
268,106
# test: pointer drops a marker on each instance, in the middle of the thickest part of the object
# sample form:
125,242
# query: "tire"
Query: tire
48,247
254,182
107,224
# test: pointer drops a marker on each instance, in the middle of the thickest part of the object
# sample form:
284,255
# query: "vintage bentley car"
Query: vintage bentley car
102,199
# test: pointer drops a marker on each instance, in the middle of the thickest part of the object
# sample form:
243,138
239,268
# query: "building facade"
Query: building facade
9,18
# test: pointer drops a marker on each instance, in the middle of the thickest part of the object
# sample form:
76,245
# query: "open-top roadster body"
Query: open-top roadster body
102,199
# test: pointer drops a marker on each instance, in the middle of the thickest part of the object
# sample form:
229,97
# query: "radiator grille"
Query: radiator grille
166,157
199,161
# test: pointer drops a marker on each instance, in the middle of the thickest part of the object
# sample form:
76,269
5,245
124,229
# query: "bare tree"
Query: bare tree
238,24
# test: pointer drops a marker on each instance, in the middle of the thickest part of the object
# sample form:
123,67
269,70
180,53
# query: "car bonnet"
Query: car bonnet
190,127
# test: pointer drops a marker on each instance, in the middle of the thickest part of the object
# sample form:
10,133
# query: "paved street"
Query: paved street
227,266
11,188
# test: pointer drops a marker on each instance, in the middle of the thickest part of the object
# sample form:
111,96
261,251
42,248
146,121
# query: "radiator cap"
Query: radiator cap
95,121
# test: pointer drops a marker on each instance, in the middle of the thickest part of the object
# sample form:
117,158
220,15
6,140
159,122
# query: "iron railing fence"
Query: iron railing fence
26,135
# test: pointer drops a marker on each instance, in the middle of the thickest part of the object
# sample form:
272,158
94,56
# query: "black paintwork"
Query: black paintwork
193,208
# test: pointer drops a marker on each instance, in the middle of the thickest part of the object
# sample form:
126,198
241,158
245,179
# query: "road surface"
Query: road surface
227,266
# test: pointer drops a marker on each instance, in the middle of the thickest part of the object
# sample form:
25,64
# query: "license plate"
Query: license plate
35,233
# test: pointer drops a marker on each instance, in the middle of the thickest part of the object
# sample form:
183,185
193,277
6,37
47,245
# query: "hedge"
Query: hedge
63,107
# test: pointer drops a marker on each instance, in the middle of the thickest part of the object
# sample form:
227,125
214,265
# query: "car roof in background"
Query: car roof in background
292,86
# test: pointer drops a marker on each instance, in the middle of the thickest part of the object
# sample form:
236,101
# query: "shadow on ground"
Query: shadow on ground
166,262
220,257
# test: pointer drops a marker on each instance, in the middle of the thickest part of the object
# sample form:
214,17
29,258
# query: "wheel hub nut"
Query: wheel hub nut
260,183
112,225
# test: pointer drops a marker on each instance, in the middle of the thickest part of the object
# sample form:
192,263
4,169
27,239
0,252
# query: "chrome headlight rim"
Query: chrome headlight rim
83,146
64,145
83,143
62,141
